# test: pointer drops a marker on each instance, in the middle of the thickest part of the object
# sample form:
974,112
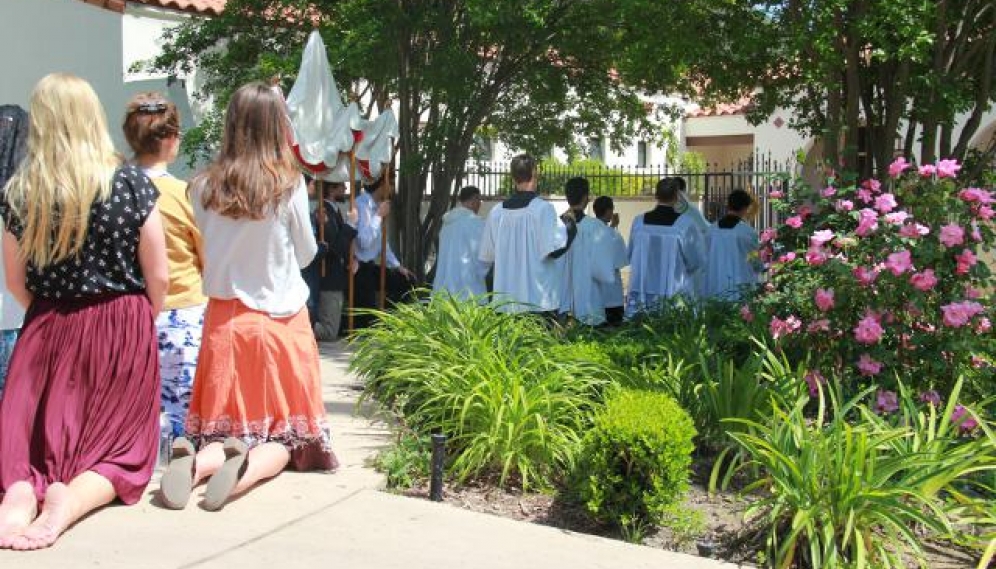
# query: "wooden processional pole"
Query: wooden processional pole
387,178
353,188
320,192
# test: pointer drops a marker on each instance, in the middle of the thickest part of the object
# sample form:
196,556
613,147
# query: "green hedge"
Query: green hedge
635,461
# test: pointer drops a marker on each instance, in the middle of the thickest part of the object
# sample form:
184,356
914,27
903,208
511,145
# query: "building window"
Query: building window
595,150
642,154
483,149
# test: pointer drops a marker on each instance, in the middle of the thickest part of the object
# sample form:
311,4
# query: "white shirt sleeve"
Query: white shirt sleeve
369,223
486,253
693,249
302,235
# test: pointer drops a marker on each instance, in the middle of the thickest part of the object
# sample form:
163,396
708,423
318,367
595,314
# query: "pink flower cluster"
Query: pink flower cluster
787,327
869,329
868,366
966,260
924,280
899,262
952,235
824,299
958,314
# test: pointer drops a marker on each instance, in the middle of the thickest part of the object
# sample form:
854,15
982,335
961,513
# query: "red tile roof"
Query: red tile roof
112,5
199,7
722,109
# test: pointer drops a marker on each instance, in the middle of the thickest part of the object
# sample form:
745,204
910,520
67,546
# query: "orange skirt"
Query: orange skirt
258,380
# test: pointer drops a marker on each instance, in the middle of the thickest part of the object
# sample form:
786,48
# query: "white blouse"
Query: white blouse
259,261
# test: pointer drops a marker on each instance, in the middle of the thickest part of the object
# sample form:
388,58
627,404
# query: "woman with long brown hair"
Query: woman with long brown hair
84,253
257,404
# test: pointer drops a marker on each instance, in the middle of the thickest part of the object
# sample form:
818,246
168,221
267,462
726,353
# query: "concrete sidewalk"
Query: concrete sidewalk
339,520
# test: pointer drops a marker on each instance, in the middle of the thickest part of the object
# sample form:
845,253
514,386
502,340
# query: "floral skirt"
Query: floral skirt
7,340
258,380
179,344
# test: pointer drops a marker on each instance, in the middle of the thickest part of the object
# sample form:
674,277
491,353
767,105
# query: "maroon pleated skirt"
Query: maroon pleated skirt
83,395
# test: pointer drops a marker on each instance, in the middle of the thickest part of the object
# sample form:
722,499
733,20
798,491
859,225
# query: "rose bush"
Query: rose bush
883,279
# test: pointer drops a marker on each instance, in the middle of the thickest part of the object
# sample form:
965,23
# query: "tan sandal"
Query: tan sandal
221,485
177,482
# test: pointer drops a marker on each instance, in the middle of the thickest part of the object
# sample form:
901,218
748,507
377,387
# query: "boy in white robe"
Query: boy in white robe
458,270
732,268
615,251
524,239
665,251
586,266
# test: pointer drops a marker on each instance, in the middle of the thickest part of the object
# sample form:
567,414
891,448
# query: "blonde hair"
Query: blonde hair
68,166
255,169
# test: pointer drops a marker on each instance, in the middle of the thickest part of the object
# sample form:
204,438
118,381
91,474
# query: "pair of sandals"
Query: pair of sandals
177,482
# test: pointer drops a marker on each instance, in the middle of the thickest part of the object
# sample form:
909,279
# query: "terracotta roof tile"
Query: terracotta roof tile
722,109
112,5
200,7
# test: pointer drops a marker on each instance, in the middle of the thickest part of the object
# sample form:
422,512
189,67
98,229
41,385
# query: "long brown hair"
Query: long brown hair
255,169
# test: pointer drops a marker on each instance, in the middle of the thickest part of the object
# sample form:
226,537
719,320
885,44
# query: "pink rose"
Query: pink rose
779,327
869,330
896,217
814,379
795,222
927,170
952,235
867,222
972,293
886,402
931,398
746,314
948,168
776,194
872,184
924,281
899,262
817,326
914,230
805,210
867,366
966,260
769,235
865,195
886,203
824,298
828,192
816,257
961,417
898,166
844,205
984,326
976,195
865,276
985,212
976,233
958,314
821,238
787,257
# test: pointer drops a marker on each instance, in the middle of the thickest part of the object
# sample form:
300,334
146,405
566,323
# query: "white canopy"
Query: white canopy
377,146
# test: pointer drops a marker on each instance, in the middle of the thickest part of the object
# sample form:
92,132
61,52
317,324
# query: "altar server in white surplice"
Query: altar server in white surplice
665,250
458,270
732,267
686,207
612,293
525,240
587,265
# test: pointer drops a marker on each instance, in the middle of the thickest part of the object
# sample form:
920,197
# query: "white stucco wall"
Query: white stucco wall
38,37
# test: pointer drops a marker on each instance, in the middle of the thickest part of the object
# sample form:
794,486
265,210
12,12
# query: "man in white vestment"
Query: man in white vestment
686,207
587,267
665,250
524,239
615,250
732,268
458,270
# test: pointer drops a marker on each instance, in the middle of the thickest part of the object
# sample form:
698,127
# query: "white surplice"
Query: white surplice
729,269
612,293
588,267
702,224
458,269
663,260
519,243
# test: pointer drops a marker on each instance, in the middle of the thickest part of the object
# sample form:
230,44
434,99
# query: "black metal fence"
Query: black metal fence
710,188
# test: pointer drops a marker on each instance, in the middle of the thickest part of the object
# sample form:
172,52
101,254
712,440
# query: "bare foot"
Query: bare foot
56,516
19,507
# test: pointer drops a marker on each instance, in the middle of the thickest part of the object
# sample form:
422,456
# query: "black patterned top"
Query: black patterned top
108,262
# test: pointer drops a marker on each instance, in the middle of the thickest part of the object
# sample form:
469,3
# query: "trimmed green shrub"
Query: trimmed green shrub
635,461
